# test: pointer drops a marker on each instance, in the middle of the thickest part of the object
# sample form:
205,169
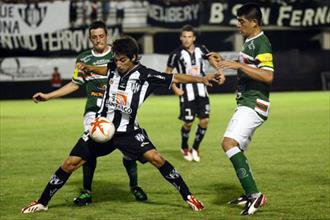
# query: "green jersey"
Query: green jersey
257,53
95,84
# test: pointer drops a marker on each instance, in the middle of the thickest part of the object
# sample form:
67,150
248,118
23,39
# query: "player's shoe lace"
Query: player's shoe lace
85,198
195,155
186,154
242,200
194,203
139,194
35,206
253,204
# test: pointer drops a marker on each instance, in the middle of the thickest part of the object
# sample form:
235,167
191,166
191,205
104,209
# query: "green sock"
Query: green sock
131,169
243,170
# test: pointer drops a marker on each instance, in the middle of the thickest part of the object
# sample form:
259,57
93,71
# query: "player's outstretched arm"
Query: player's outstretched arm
261,75
101,70
184,78
177,91
65,90
214,59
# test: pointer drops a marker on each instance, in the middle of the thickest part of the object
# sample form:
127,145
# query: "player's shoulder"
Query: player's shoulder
262,41
84,54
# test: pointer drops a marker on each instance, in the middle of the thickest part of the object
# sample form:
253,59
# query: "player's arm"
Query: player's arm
63,91
184,78
262,75
214,59
101,70
177,91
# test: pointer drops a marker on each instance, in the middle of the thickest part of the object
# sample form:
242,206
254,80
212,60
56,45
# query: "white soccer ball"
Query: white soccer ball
101,130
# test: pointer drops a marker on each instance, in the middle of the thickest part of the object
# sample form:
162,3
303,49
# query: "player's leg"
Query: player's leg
187,115
202,109
237,136
56,182
85,196
132,172
172,176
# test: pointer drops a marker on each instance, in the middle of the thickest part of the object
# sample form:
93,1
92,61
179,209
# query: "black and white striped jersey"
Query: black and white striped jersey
125,94
185,62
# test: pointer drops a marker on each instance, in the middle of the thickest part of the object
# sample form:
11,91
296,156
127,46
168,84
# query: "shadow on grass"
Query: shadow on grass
106,191
226,192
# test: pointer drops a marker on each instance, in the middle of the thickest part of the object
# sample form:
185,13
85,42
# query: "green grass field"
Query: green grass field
289,155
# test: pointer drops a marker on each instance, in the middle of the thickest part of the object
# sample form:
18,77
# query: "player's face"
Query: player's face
123,63
99,39
246,26
187,39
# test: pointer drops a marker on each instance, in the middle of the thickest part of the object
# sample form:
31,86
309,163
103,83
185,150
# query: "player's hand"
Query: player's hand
81,66
220,77
215,56
178,92
40,97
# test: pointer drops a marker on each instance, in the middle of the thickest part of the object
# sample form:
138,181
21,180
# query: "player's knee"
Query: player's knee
187,125
228,143
71,164
204,122
155,158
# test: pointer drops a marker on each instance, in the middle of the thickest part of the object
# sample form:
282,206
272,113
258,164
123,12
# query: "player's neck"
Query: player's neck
191,48
254,33
99,52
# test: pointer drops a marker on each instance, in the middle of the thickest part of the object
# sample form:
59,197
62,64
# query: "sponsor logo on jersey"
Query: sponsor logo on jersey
101,62
119,102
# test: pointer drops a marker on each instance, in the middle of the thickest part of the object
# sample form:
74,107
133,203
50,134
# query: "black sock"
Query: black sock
88,174
184,137
131,169
173,177
56,182
200,132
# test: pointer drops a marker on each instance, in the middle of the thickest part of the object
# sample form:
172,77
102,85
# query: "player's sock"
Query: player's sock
243,170
184,137
131,169
56,182
88,174
173,177
200,132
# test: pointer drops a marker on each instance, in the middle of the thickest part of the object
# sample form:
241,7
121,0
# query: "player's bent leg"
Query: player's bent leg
56,182
172,176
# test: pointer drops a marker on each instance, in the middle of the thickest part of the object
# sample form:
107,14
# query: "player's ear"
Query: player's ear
134,59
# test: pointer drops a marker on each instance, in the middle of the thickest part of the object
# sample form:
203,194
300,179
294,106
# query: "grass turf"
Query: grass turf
289,156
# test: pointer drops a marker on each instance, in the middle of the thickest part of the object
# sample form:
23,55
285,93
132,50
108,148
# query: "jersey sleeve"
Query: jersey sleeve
156,78
204,51
78,76
172,59
264,56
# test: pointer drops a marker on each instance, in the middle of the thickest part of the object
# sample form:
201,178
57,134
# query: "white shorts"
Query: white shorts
88,118
242,125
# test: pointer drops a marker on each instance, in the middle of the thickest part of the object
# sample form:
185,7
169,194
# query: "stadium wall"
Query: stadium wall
295,71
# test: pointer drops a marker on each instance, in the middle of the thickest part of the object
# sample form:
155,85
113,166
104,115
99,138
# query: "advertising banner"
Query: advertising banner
33,18
173,15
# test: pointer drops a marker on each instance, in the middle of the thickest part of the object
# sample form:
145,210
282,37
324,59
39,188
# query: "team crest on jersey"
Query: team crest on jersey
135,87
251,45
140,137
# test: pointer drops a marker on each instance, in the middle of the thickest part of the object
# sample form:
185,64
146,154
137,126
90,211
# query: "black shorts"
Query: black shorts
199,107
133,145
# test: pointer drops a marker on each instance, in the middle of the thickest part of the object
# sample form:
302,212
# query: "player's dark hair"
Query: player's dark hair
127,46
188,28
250,11
98,24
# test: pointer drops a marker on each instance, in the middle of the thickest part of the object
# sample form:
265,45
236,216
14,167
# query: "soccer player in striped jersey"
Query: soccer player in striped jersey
194,98
95,85
255,75
129,85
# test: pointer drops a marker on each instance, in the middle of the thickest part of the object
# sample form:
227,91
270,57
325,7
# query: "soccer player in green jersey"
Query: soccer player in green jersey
95,85
255,75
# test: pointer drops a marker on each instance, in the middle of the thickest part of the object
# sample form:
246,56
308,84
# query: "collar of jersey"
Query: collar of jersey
252,38
102,54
